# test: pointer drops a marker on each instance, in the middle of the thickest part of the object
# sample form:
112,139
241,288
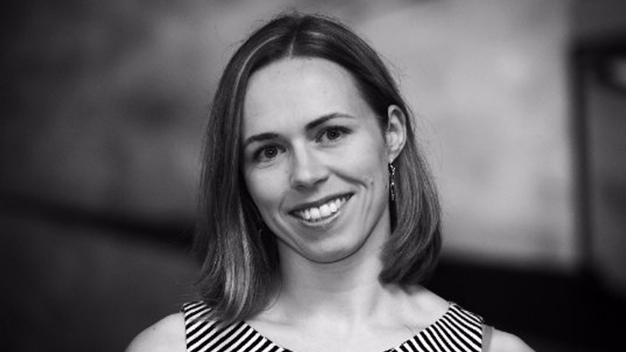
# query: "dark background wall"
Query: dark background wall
103,107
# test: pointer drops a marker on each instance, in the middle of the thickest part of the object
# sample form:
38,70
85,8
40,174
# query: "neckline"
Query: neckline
274,346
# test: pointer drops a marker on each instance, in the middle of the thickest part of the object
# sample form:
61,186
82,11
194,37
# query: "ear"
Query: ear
395,134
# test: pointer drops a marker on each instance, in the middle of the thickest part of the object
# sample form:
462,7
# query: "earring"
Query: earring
392,182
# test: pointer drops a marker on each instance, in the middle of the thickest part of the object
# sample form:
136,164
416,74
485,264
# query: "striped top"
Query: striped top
456,331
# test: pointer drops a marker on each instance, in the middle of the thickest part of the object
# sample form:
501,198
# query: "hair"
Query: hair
239,270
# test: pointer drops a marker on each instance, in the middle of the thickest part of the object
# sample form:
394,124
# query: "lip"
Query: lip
320,202
324,222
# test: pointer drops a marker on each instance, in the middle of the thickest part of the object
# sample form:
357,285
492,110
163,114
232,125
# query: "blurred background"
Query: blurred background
521,108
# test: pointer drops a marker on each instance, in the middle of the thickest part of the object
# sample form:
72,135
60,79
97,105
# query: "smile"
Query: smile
322,212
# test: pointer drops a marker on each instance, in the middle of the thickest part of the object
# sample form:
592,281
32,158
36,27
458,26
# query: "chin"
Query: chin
332,255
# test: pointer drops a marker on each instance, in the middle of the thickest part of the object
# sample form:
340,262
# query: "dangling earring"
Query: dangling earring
392,182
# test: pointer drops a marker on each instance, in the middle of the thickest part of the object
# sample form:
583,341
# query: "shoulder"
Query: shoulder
418,307
504,342
167,335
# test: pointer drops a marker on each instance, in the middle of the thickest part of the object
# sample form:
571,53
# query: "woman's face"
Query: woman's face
315,159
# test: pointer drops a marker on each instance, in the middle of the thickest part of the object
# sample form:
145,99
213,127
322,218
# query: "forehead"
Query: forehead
299,88
300,73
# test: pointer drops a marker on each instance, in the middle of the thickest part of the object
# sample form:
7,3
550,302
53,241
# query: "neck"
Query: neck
347,290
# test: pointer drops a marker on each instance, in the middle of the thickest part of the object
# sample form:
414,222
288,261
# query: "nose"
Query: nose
307,169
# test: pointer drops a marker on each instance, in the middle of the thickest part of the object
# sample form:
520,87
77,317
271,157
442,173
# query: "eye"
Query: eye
267,153
333,133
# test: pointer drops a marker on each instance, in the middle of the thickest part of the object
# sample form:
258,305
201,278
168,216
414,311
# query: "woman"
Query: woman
320,218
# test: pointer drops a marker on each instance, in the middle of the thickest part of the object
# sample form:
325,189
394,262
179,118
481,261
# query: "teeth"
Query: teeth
315,213
326,210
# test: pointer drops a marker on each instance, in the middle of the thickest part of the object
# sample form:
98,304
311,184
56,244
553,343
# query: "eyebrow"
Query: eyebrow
259,138
309,126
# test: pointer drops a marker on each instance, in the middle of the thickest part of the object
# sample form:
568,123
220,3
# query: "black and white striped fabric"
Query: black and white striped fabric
456,331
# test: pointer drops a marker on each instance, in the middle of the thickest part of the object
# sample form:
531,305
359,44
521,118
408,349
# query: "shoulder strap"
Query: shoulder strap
458,330
195,325
204,335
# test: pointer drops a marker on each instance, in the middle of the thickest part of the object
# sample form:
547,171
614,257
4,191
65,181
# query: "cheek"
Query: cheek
264,188
370,172
367,164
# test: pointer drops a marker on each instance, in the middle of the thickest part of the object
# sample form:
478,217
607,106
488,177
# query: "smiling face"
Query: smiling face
315,160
